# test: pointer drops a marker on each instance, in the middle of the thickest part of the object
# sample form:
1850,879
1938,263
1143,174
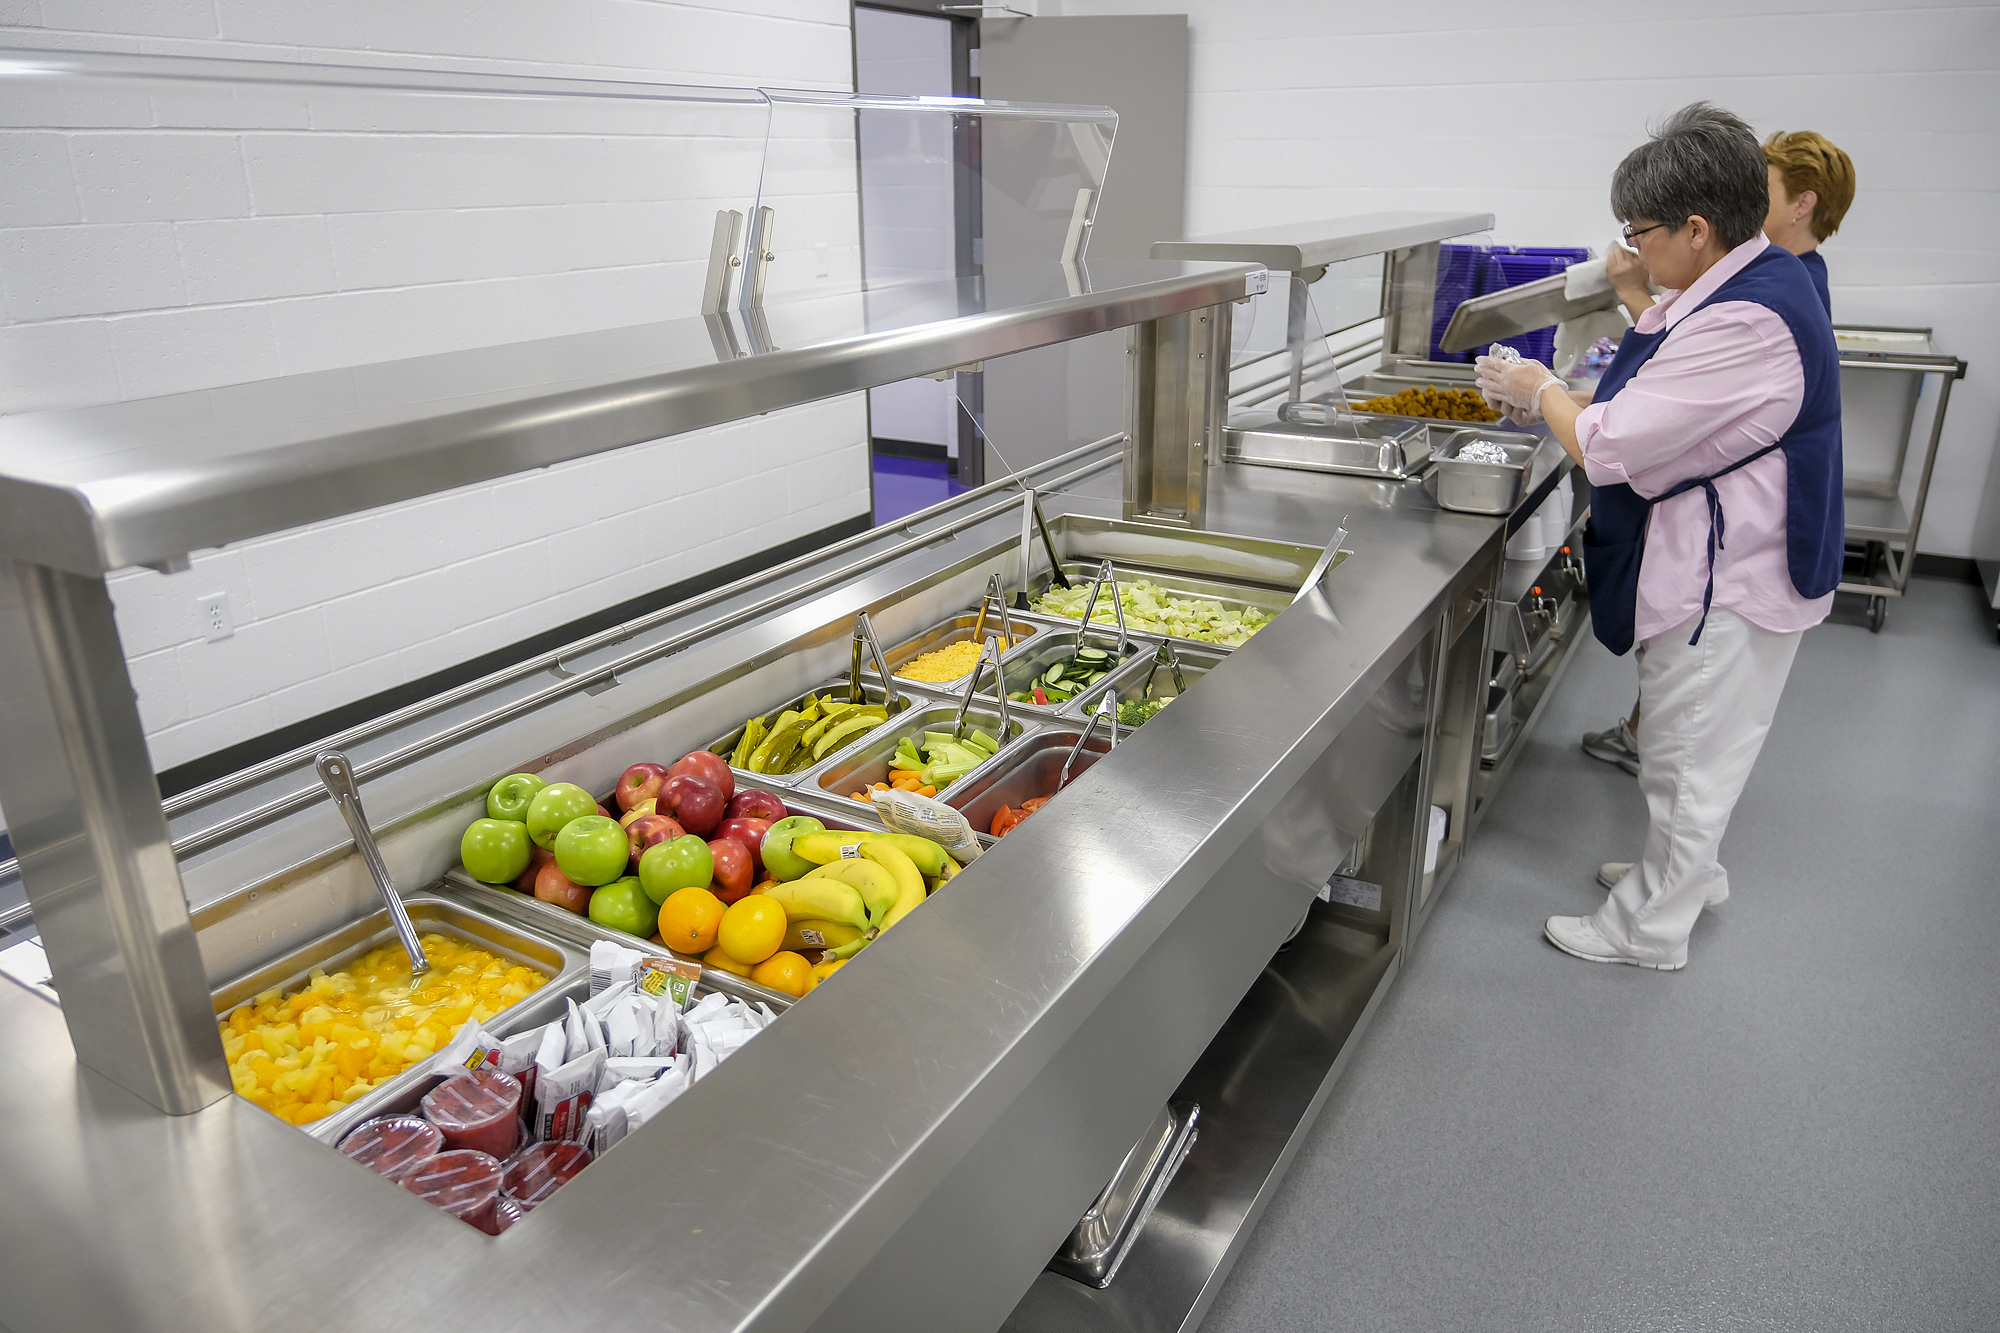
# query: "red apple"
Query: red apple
704,764
537,858
695,803
647,830
756,803
641,782
552,886
750,832
732,869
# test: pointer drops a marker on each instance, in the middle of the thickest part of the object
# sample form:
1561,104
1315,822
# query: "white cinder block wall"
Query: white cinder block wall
134,264
1308,110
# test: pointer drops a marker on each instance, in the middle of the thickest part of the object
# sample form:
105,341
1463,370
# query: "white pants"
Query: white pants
1703,714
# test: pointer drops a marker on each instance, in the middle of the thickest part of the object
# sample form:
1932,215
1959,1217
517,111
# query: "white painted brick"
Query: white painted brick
260,657
595,551
54,272
40,188
836,472
170,351
358,328
161,610
316,565
206,734
335,689
676,527
432,534
156,680
413,611
157,18
158,176
56,365
255,259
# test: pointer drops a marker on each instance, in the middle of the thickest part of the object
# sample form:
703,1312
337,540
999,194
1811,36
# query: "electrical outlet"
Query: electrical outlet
215,622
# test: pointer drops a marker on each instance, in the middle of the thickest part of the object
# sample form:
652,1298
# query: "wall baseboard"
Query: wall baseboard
234,758
889,448
1956,568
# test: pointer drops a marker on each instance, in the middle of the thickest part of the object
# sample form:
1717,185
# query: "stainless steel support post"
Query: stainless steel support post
1177,391
84,814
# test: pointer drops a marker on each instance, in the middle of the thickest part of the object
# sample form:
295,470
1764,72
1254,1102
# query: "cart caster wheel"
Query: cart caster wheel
1878,611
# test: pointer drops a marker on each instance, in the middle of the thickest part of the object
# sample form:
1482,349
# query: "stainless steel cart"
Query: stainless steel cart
1882,375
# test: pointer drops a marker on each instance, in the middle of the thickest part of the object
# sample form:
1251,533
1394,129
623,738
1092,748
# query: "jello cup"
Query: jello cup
478,1110
393,1145
464,1183
505,1214
540,1169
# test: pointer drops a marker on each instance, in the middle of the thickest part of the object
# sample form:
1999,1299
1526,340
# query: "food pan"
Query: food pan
1361,444
1235,596
562,960
956,629
870,693
1481,488
869,762
1144,682
1022,771
1025,669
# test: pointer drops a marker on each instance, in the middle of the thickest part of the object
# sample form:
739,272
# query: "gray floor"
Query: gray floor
1799,1131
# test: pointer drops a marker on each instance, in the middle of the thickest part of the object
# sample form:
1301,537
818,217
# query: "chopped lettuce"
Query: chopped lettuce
1151,609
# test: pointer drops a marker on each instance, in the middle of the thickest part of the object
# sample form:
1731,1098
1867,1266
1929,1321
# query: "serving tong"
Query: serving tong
1106,574
992,650
1171,660
994,596
338,775
1107,708
864,637
1324,563
1031,522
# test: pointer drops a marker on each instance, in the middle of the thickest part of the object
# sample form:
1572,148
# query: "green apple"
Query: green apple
495,851
511,796
592,850
623,905
554,807
780,861
678,863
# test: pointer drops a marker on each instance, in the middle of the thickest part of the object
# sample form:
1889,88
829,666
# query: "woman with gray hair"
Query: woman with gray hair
1713,451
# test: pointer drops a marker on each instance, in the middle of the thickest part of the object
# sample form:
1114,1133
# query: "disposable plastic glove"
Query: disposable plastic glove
1513,385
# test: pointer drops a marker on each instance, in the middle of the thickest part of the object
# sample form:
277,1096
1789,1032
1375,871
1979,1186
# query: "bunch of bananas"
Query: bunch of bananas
861,884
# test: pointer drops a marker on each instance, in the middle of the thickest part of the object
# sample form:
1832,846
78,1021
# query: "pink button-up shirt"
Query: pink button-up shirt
1726,382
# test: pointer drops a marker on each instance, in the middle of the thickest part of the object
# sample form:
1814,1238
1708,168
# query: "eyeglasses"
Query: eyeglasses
1631,235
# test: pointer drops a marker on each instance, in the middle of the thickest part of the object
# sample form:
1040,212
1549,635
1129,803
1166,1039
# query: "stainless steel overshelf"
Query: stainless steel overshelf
1293,246
909,1146
96,489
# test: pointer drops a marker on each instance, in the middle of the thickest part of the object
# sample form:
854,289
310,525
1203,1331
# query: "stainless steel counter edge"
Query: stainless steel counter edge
766,1189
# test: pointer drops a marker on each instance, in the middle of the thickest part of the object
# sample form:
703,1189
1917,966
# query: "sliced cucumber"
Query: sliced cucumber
1091,655
1054,675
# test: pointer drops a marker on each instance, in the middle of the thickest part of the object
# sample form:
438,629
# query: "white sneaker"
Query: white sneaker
1577,936
1614,745
1611,872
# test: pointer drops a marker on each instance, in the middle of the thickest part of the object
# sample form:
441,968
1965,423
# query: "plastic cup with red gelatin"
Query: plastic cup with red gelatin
464,1183
479,1110
540,1169
505,1214
393,1145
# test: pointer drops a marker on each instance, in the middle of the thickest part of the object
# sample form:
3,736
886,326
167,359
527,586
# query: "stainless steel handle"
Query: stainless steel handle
1324,563
1106,573
864,634
338,775
999,688
1107,707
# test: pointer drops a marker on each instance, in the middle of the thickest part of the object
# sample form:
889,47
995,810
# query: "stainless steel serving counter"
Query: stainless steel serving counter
908,1148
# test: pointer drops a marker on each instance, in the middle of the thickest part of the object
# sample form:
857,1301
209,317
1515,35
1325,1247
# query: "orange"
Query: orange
788,972
752,929
718,959
688,920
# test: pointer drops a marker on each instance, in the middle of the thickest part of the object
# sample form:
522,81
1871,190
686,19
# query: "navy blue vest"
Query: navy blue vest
1816,270
1614,540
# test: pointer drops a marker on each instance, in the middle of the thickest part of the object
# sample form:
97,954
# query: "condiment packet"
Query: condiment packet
597,1006
609,964
628,1028
470,1048
653,1098
669,979
604,1124
563,1096
638,1069
581,1032
907,812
